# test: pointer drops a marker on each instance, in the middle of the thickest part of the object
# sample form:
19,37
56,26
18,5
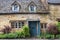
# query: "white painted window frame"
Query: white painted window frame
34,9
17,10
43,25
17,23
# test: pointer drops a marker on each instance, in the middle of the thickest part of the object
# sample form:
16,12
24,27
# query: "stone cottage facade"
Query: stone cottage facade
34,13
54,9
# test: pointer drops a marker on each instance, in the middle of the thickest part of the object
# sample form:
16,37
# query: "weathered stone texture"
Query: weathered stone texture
5,19
54,11
5,5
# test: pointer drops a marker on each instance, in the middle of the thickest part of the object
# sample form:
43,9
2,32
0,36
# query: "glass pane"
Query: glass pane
12,24
15,24
32,8
22,23
15,7
41,25
19,24
45,25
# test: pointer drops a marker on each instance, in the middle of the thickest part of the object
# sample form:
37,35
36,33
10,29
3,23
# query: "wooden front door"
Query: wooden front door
34,29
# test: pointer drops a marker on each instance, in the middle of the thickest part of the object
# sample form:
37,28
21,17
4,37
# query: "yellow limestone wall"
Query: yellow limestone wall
5,19
54,11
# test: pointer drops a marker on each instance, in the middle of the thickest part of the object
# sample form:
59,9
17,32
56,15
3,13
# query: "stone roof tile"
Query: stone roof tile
5,5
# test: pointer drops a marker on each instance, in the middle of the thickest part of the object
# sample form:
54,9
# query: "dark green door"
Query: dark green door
33,28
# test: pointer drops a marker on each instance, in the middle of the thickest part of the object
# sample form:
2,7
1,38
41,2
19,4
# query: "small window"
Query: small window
32,8
17,24
43,25
15,8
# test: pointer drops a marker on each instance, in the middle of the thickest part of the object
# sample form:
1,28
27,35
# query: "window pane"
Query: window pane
41,25
12,24
19,24
45,25
32,8
22,23
15,24
15,7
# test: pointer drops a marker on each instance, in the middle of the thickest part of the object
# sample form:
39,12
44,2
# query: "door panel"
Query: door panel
33,28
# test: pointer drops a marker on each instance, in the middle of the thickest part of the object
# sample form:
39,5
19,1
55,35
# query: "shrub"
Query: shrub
52,29
26,31
11,35
20,34
7,29
58,36
3,36
58,26
8,36
42,35
49,36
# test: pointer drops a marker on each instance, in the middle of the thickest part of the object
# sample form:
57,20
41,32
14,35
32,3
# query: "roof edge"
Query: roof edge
54,3
24,13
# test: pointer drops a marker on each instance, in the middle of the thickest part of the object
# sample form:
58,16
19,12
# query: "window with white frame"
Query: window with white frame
43,25
32,8
17,24
15,8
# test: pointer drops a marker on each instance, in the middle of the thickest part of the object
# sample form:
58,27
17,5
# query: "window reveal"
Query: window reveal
43,25
17,24
32,8
15,8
